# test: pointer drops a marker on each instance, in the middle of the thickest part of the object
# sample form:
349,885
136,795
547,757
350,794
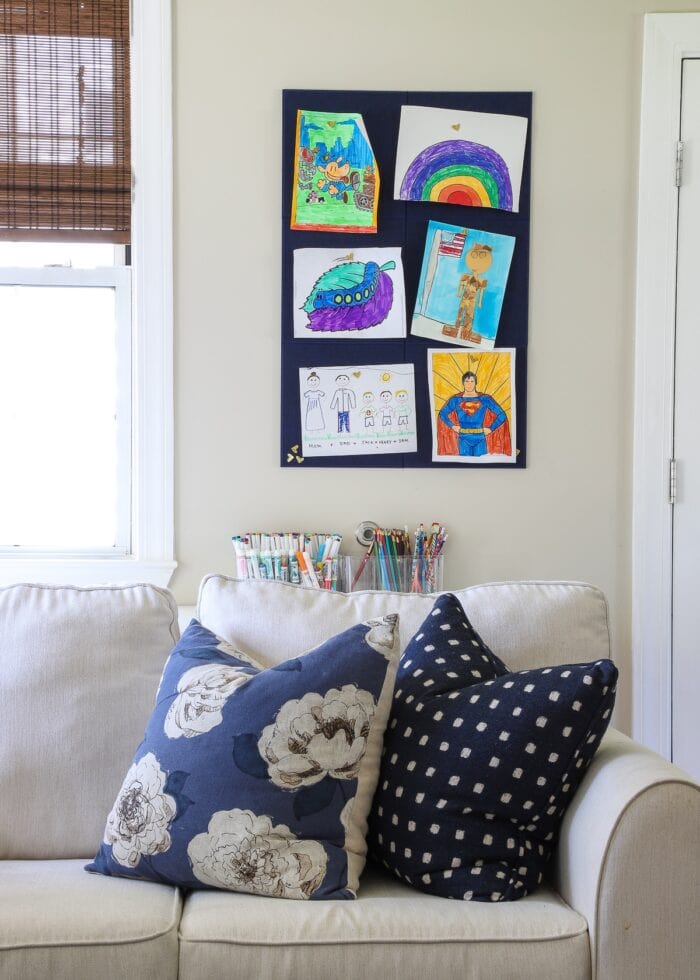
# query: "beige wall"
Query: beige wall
568,514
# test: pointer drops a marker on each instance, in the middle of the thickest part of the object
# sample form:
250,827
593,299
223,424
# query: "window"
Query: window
85,320
65,401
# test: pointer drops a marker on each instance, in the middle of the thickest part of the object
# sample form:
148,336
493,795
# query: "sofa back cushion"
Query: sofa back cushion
526,624
79,668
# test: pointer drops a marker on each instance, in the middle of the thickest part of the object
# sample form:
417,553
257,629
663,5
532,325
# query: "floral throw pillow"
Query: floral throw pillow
257,780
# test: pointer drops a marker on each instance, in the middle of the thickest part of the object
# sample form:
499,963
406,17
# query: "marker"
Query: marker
310,571
241,563
303,570
266,560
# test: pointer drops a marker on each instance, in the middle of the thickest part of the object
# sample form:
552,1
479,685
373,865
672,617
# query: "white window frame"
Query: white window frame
668,40
151,557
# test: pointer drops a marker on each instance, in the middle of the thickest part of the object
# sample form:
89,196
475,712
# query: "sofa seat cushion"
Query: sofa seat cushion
402,934
56,921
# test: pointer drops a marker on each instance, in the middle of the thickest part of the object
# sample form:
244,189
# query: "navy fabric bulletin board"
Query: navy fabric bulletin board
399,223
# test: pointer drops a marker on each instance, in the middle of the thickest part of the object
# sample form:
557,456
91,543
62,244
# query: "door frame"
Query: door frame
668,39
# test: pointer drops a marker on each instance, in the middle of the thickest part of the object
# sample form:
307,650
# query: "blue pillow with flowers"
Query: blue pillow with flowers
257,779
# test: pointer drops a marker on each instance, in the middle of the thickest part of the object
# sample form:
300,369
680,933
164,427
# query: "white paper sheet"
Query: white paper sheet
473,419
353,294
357,410
460,157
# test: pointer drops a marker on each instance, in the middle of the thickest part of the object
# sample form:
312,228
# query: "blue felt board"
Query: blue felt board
399,223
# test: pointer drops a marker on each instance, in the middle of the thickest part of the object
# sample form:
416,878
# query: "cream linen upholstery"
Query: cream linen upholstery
391,931
527,624
79,669
629,860
629,855
59,923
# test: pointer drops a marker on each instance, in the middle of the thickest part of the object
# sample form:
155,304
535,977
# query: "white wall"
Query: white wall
568,514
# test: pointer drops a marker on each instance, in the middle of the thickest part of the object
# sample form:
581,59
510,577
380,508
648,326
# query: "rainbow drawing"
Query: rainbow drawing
473,159
459,172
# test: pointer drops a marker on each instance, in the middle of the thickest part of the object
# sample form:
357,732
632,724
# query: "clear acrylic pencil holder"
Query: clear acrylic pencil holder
391,574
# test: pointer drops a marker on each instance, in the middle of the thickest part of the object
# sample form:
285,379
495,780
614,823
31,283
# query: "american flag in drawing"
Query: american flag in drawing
451,243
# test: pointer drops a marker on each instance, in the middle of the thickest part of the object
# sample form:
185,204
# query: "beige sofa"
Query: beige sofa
78,672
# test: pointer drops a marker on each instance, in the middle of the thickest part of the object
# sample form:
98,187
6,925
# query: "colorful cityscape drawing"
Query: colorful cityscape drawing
462,284
458,157
357,410
472,401
336,179
355,295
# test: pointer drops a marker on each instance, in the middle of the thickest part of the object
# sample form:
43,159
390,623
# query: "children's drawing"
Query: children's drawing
346,295
368,413
313,413
462,285
472,401
336,179
343,400
458,157
372,409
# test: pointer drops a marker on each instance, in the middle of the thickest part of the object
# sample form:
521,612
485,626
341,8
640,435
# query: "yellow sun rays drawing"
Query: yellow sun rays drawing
492,369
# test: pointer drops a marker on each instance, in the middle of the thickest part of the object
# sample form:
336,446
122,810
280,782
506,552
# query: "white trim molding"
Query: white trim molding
668,39
150,554
85,571
152,270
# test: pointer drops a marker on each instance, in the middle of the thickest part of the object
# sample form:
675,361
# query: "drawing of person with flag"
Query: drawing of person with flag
462,285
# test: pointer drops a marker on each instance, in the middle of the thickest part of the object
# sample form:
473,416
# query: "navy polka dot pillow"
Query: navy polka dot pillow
480,764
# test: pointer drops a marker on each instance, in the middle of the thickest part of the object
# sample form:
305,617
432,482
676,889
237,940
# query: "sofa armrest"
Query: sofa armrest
628,859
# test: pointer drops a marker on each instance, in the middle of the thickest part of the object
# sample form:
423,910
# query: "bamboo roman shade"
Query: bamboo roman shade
65,168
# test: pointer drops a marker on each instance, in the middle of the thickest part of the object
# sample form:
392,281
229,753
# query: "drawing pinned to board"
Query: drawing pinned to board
336,178
458,157
360,409
344,295
462,284
472,401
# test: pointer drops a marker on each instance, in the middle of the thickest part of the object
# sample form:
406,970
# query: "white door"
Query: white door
686,440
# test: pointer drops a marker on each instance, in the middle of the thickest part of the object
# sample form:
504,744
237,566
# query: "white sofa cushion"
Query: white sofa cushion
61,923
526,624
391,931
79,668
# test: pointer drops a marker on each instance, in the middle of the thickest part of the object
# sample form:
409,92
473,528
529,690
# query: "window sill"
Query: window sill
85,571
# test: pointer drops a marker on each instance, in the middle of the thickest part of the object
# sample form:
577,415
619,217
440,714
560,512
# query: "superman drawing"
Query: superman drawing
472,423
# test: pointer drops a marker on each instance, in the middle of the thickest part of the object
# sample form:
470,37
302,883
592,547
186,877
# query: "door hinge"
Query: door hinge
679,163
672,481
